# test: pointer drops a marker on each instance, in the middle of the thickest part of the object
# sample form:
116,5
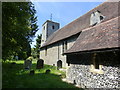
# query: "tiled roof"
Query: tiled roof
108,9
102,36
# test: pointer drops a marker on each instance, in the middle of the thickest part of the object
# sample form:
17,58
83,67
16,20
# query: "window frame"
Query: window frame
43,27
63,49
53,27
45,51
93,65
64,46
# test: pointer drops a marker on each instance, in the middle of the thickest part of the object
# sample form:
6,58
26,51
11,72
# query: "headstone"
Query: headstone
47,71
40,64
16,57
27,64
12,64
32,72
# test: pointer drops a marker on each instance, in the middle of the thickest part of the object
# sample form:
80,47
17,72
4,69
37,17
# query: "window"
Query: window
95,66
53,27
96,61
68,63
64,46
47,35
42,40
45,51
101,17
96,17
44,27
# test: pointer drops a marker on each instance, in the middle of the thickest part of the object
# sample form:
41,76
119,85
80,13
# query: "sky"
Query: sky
62,12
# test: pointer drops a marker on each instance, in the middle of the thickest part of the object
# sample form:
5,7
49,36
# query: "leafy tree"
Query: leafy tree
19,25
36,50
33,53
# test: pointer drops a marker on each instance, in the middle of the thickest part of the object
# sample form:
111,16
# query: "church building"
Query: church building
88,47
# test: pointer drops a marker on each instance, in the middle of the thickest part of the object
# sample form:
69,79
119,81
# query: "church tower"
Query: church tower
47,29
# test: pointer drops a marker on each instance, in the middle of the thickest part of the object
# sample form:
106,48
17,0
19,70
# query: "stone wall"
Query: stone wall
55,52
47,30
82,76
52,55
50,30
86,79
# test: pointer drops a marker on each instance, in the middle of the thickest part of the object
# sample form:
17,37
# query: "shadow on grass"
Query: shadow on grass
14,76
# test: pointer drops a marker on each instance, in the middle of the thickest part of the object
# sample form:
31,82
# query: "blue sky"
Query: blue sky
62,12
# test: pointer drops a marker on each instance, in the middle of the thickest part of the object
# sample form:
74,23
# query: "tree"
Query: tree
33,53
19,25
36,50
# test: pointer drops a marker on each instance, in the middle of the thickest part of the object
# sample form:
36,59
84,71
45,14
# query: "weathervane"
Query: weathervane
51,17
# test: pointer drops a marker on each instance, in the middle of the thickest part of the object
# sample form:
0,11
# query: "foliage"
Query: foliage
36,51
14,76
19,25
30,58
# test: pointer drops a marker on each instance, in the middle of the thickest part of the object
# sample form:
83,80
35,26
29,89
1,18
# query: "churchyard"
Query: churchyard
14,75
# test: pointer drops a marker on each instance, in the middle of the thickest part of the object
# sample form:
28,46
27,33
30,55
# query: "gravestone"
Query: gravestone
27,64
12,64
32,72
40,64
47,71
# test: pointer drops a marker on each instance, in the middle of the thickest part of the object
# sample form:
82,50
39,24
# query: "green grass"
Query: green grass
14,76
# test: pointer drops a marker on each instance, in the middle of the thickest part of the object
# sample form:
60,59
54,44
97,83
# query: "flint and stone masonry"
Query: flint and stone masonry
80,72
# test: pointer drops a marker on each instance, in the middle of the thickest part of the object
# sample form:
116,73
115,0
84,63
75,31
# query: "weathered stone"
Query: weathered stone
87,79
13,63
47,71
27,64
40,64
32,72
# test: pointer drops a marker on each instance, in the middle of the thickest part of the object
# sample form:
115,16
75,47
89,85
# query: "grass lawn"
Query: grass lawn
14,76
